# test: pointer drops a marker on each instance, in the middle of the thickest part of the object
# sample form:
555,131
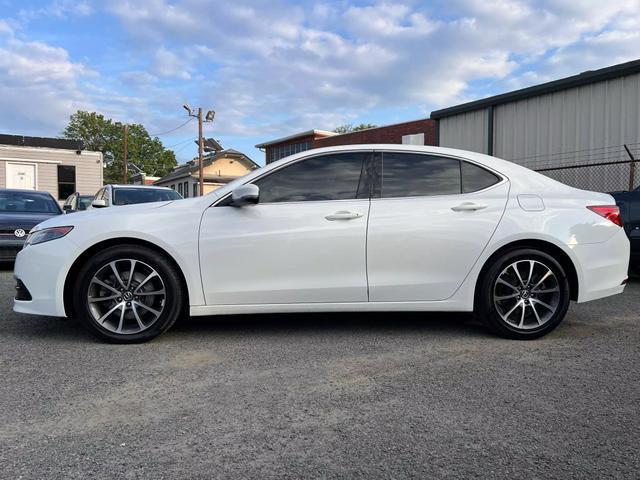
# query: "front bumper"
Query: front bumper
43,269
9,248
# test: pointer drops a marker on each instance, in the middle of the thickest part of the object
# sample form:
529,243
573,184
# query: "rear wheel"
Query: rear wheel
523,295
128,294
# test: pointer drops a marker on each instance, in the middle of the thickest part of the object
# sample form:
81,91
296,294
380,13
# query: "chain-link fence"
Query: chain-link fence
605,169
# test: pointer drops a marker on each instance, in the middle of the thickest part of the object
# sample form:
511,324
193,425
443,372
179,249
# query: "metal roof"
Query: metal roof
584,78
22,141
307,133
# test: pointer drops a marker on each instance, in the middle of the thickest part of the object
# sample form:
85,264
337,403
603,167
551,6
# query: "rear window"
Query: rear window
476,178
419,175
27,202
131,196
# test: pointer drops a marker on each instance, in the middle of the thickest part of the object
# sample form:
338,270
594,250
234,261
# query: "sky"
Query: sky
270,68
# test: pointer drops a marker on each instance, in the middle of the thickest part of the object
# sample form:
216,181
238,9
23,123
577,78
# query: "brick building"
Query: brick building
416,132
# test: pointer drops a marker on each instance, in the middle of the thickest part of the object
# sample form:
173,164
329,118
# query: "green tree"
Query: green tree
348,127
104,135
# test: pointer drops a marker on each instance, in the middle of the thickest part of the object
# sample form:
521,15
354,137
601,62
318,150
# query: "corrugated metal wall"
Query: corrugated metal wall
587,124
467,131
583,119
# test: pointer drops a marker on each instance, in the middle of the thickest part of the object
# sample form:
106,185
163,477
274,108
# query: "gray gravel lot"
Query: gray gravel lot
323,396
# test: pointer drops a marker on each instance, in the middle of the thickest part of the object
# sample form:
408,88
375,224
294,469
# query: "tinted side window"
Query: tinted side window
417,175
327,177
476,178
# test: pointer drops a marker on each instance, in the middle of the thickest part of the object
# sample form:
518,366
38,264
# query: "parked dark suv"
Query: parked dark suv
629,203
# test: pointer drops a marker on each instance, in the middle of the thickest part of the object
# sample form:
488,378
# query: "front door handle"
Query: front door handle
343,215
468,207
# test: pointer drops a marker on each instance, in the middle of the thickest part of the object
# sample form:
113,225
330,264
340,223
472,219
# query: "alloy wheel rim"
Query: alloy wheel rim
526,294
126,296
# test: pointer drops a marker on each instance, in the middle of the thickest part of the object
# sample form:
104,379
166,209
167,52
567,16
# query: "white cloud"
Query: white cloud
38,86
57,9
277,66
169,64
270,67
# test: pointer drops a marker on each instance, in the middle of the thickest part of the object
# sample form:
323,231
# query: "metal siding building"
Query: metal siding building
576,122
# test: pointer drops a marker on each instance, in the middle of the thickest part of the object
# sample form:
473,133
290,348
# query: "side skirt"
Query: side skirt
441,306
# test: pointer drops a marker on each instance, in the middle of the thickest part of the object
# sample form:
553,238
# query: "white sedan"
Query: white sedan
353,228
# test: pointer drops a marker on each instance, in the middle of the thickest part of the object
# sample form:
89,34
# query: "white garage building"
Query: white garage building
58,166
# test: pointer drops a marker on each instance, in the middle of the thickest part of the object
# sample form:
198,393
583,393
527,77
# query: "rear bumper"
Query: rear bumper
604,267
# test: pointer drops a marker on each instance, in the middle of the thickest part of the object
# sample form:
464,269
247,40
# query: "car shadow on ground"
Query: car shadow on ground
304,323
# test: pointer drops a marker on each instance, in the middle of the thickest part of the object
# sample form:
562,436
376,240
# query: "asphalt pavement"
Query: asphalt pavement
323,396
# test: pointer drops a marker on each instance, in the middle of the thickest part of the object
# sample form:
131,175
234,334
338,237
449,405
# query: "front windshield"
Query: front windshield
130,196
27,202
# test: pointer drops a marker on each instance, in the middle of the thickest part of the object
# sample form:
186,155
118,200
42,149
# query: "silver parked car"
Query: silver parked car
116,195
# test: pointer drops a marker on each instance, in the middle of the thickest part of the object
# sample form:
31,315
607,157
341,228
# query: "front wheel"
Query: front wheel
128,294
523,295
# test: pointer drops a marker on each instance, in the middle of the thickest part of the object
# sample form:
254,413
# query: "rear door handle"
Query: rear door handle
343,215
468,207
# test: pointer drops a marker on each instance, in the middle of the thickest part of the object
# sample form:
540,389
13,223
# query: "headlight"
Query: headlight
46,234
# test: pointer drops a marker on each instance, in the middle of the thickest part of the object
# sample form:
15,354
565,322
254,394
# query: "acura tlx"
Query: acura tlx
353,228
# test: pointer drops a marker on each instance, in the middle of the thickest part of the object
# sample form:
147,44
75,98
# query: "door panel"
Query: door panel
421,248
284,253
22,176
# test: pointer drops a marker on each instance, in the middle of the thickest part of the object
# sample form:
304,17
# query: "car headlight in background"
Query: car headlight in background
46,235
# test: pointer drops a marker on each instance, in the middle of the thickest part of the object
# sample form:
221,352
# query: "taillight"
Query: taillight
610,212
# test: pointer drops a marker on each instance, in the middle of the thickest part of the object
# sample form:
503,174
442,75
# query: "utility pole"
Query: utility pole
208,118
126,154
200,153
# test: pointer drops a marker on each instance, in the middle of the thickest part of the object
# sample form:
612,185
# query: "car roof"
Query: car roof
150,187
24,190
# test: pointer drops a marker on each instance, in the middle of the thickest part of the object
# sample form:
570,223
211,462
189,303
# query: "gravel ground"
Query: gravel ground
323,396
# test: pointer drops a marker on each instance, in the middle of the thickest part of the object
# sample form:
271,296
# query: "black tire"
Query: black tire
167,310
490,310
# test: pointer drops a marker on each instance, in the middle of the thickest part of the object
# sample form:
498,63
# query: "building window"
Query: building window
417,139
276,153
186,189
173,187
195,189
180,188
66,181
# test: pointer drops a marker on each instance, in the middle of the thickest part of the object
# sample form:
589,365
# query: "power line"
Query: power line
183,147
172,130
180,143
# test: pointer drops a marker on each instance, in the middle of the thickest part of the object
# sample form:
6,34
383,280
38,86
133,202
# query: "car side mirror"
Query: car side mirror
66,208
245,195
100,203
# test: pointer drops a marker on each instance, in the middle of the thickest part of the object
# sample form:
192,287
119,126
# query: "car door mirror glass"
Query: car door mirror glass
67,208
245,195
